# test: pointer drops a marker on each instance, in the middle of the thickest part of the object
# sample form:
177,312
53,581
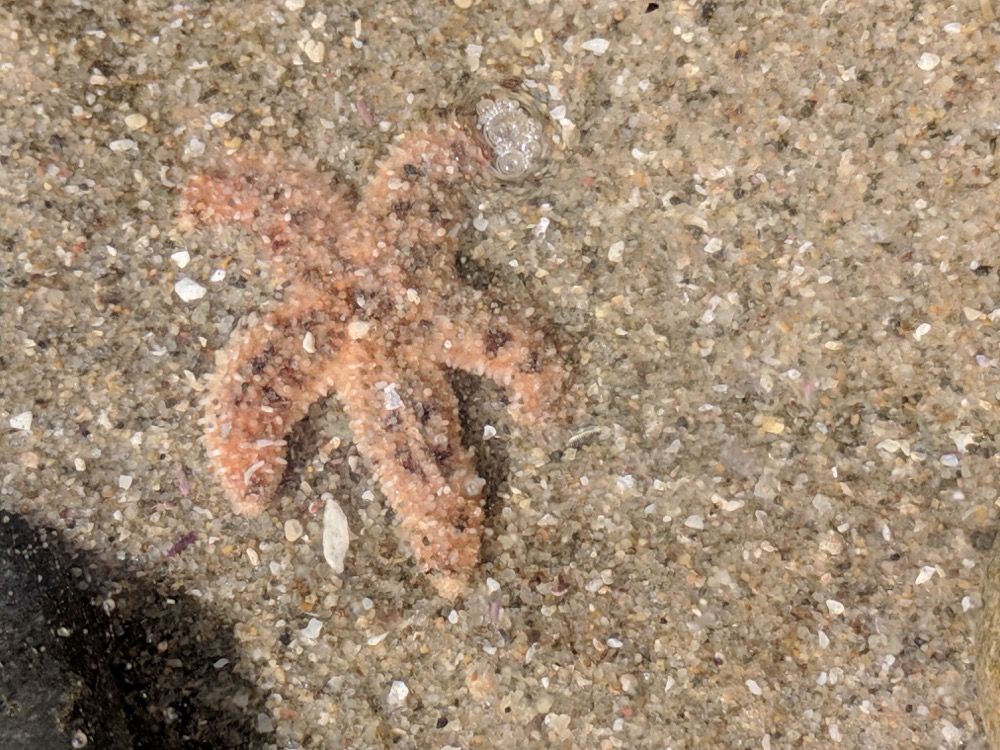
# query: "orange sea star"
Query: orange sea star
374,311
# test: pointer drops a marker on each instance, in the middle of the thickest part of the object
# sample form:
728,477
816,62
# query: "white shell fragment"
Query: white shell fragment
336,535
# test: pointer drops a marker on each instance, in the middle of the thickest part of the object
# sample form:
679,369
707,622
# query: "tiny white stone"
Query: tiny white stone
950,460
835,607
473,52
480,223
926,573
295,5
309,342
928,61
713,245
189,290
124,481
489,431
181,258
336,535
377,639
293,529
392,399
314,50
694,522
614,643
195,147
122,145
21,421
953,28
492,585
889,445
597,45
398,694
922,330
218,275
312,630
753,687
616,251
358,329
952,734
135,121
824,640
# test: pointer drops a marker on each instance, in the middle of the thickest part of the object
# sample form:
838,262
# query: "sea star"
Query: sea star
374,310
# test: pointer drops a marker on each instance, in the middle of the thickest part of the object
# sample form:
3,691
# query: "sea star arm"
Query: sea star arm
297,213
507,347
264,384
405,419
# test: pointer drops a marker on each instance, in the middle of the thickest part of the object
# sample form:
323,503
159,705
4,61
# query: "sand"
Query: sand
767,240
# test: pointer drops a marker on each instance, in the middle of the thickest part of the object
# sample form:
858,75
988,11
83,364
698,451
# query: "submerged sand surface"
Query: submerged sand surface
767,241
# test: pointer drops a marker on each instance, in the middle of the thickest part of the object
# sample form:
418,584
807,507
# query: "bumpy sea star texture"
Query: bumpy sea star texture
373,310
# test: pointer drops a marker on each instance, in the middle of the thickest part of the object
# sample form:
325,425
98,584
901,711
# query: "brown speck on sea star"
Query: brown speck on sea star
373,310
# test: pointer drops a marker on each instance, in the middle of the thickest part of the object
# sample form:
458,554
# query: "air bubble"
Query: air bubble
510,128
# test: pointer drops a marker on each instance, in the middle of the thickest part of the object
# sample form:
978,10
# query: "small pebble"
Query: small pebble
21,421
189,290
336,535
694,522
218,119
616,251
835,607
598,46
293,529
398,694
754,688
928,61
135,121
926,573
313,629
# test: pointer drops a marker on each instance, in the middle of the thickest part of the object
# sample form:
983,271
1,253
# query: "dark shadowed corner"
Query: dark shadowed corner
156,670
